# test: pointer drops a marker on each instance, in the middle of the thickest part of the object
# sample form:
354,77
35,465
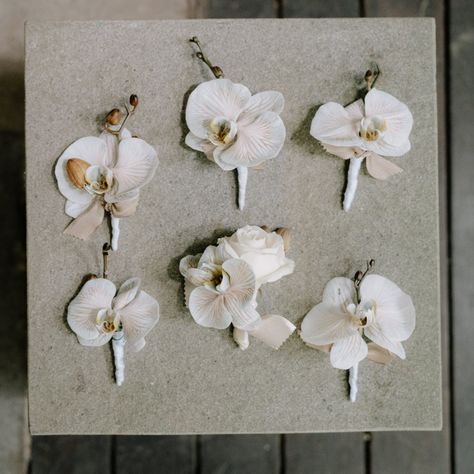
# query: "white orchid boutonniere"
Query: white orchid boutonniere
235,129
377,125
99,314
221,284
105,174
369,316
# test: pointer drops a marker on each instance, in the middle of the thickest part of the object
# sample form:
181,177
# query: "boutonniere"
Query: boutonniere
235,129
222,283
369,316
101,313
369,128
105,174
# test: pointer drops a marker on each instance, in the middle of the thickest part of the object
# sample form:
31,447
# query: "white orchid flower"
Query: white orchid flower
378,125
99,314
105,173
385,315
235,129
221,289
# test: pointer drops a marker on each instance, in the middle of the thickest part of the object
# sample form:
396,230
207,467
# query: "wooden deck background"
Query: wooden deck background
401,452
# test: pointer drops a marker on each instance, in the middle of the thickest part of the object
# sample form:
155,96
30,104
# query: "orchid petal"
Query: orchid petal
256,142
190,261
381,147
126,293
138,317
93,150
347,352
100,340
375,334
333,125
325,324
82,311
211,99
207,307
339,291
379,167
356,110
241,279
396,114
136,165
395,313
267,101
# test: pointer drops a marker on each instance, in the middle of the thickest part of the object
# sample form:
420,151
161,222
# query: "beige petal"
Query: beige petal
379,167
378,354
273,330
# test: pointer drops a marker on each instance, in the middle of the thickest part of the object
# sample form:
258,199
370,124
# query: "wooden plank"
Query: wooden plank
157,454
71,454
420,452
240,454
320,9
325,453
240,9
461,15
309,453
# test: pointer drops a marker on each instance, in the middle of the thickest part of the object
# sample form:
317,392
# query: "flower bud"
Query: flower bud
113,117
217,71
285,234
133,100
358,276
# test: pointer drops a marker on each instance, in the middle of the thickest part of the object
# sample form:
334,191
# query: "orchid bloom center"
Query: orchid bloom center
372,128
363,315
99,179
214,272
108,320
222,131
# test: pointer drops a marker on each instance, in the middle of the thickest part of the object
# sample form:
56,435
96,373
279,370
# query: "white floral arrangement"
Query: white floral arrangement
222,284
233,128
367,317
100,313
105,174
377,125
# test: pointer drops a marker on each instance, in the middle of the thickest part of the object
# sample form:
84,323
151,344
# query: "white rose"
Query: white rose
263,251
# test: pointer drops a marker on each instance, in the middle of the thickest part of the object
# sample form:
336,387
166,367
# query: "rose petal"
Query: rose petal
138,318
333,125
136,165
347,352
215,98
325,324
207,307
256,142
90,149
395,313
82,311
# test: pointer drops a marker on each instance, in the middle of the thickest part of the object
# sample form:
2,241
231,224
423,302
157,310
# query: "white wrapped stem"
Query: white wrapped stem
118,344
115,223
352,179
242,175
353,374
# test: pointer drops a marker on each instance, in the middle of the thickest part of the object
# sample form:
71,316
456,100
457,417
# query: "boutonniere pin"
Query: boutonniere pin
369,128
369,316
100,313
105,174
235,129
222,283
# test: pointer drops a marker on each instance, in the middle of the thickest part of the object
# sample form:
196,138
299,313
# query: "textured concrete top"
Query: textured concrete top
189,379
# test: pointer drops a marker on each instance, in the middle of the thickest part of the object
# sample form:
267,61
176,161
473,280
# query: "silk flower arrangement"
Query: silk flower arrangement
222,283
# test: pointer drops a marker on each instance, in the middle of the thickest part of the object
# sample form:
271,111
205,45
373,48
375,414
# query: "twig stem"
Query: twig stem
216,70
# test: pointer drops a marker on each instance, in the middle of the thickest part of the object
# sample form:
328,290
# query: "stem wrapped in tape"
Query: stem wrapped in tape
118,344
352,179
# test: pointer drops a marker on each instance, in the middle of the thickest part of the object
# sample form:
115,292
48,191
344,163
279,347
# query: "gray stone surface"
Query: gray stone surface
189,379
